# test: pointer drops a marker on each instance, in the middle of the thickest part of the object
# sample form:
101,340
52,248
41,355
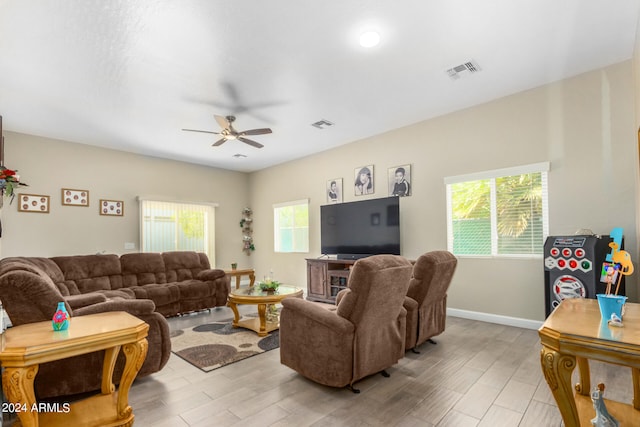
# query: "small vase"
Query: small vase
60,318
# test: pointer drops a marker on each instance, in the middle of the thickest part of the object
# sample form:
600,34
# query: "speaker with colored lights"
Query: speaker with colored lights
573,268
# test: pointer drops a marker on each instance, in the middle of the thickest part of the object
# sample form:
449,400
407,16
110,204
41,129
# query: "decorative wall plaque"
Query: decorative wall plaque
111,207
75,197
33,203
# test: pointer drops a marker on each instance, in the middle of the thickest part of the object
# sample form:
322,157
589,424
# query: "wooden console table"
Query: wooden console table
24,347
250,272
574,333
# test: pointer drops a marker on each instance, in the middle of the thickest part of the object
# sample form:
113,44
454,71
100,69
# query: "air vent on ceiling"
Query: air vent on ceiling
469,67
322,124
239,156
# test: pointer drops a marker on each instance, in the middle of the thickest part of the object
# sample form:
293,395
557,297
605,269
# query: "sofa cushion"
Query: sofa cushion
90,272
139,269
195,289
160,294
184,265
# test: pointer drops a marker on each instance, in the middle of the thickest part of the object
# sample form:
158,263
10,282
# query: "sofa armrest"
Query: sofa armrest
340,295
308,313
83,300
135,307
316,342
211,274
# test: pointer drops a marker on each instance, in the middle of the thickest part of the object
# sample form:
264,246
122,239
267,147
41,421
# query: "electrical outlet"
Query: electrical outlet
129,245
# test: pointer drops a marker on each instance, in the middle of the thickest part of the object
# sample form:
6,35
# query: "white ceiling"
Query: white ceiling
130,74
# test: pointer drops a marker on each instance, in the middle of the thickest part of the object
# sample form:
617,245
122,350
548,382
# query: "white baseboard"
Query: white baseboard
495,318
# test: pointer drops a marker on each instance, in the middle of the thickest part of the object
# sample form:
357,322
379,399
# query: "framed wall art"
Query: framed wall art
363,180
334,190
400,180
72,197
111,207
33,203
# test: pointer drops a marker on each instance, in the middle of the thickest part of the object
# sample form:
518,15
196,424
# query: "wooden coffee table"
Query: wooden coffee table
574,333
25,347
254,295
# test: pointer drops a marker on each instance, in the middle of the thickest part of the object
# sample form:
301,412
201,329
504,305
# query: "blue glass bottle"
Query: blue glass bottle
60,318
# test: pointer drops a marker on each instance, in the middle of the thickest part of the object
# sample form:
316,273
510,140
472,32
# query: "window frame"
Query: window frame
277,229
492,176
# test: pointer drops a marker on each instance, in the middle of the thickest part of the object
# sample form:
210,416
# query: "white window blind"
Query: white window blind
176,226
291,226
498,213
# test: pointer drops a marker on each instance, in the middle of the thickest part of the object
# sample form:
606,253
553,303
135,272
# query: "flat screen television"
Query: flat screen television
358,229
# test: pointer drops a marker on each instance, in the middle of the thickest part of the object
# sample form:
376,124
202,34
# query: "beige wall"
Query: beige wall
585,126
48,165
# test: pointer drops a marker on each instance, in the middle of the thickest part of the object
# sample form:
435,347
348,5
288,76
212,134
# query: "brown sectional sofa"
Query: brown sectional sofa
177,282
151,286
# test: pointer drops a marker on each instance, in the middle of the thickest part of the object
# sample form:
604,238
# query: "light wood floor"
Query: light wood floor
479,374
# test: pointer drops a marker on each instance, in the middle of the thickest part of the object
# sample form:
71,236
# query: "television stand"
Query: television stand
327,277
352,256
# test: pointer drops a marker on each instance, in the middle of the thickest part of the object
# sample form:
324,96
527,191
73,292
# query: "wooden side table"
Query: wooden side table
250,272
574,333
24,347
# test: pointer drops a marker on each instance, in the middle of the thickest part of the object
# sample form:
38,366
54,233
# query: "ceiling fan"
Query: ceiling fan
229,133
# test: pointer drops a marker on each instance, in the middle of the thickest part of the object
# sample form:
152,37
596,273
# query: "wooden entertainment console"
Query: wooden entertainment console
327,277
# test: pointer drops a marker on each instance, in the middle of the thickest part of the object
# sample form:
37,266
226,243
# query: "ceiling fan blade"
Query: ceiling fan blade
219,142
250,142
261,131
222,121
201,131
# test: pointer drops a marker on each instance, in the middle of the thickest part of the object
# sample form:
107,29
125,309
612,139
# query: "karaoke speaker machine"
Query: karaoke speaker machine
573,268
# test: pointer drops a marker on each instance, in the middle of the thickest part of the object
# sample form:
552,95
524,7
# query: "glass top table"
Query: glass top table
254,295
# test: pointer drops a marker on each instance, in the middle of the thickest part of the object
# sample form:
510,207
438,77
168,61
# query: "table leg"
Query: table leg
635,375
134,353
252,279
262,315
236,314
110,356
584,386
557,369
17,384
237,281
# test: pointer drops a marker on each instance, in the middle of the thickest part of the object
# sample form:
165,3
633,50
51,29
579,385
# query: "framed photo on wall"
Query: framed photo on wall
363,182
75,197
33,203
111,207
334,190
400,180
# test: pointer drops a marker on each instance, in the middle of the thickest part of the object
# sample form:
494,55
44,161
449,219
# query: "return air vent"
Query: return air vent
470,67
322,124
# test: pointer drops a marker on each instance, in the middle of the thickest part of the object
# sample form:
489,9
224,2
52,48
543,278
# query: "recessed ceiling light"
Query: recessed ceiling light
369,39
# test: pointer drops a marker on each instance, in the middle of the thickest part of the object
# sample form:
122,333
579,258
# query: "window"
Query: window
498,213
291,226
174,226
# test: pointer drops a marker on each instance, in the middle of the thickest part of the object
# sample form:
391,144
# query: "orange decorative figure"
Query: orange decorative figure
623,259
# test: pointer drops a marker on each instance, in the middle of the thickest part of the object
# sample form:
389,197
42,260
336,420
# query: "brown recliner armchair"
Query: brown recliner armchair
426,301
363,336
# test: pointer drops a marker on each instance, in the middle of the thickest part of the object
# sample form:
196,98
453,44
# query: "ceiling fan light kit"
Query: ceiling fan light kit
228,132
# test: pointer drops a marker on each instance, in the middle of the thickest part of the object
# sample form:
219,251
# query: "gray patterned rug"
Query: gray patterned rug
213,345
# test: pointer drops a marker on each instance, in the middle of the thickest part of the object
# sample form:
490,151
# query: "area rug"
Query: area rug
213,345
